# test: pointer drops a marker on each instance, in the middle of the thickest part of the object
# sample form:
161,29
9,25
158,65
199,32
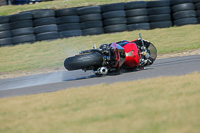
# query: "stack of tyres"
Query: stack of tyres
45,26
114,17
22,28
159,14
183,12
197,7
68,22
137,16
91,21
5,34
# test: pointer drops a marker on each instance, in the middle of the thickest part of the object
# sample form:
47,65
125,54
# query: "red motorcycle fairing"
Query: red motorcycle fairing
132,55
119,55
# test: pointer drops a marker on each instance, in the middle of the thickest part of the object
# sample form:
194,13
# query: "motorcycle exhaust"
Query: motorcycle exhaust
101,70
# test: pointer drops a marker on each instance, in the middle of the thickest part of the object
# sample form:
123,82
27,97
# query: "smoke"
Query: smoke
28,81
41,79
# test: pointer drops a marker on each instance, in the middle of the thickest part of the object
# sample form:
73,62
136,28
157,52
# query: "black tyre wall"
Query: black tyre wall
160,17
43,13
198,19
46,28
70,33
135,5
93,31
186,21
113,21
21,16
136,12
95,19
162,24
159,10
112,7
90,17
21,24
91,20
66,12
47,36
89,10
5,31
196,1
184,12
137,15
45,25
68,18
22,28
5,34
161,3
114,18
91,24
139,26
23,31
183,7
138,19
176,2
114,14
69,26
115,28
5,41
198,15
30,38
4,26
197,7
44,21
159,14
4,19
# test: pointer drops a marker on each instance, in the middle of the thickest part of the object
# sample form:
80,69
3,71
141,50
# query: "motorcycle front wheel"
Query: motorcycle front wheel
84,61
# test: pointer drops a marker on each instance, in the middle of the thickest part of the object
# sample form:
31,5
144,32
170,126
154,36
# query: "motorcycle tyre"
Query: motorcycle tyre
83,61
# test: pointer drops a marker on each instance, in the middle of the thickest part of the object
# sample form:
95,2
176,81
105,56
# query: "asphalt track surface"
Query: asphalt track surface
70,79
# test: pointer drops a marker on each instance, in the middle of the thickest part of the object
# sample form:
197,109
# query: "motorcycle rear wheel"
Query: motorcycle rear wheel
84,61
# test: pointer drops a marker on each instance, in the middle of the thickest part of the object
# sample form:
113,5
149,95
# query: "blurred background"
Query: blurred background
20,2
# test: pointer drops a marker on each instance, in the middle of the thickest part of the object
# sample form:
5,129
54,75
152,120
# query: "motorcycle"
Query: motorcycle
108,58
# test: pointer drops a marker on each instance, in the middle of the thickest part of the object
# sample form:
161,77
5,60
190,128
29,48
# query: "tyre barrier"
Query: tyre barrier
48,24
197,8
45,25
5,33
91,20
22,28
183,12
159,14
137,15
114,18
68,22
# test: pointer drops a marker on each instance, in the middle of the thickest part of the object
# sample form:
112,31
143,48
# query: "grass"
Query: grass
53,53
56,4
158,105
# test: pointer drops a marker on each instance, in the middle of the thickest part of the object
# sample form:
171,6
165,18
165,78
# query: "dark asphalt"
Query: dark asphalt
67,79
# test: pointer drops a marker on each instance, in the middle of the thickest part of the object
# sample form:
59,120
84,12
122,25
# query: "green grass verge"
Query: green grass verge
56,4
53,53
158,105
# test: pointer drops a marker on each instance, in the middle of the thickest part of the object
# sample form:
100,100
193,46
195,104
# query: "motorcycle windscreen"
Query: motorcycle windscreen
153,53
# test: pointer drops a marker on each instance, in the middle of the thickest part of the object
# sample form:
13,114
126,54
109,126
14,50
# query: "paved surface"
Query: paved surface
67,79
